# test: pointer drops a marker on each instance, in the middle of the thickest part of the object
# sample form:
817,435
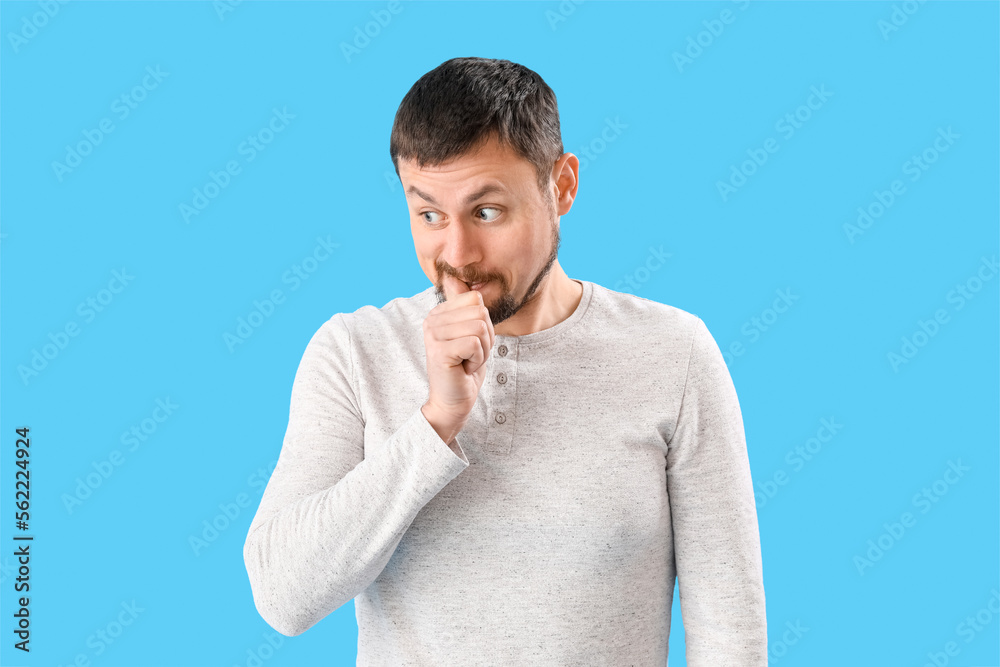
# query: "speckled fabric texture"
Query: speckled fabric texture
605,456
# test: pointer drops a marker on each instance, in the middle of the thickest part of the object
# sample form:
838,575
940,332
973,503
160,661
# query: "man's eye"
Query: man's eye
496,213
489,208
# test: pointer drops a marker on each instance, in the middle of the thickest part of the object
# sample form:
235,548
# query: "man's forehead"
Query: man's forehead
489,169
469,192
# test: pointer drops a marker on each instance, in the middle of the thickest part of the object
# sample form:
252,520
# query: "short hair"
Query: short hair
463,102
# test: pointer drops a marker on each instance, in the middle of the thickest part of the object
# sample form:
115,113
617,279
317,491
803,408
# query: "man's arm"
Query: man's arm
331,517
716,538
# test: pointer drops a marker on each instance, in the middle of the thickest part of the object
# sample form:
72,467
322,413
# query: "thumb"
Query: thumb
454,285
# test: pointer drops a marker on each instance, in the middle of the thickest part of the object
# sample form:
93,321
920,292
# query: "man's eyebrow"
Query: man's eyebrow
490,188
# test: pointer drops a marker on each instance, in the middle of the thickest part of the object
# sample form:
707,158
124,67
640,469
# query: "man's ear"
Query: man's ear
566,175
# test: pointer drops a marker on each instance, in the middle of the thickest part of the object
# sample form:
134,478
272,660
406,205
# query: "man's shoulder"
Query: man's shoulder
401,314
634,314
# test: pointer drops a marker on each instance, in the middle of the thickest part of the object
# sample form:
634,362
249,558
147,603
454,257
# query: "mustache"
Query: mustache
473,280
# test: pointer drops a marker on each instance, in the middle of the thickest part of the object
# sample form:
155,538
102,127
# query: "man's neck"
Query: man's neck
558,298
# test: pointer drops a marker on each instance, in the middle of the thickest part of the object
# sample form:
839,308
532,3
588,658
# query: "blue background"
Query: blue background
327,173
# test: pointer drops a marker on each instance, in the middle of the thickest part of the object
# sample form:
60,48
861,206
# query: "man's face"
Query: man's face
482,219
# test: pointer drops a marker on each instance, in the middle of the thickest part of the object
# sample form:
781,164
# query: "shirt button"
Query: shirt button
502,378
502,350
500,418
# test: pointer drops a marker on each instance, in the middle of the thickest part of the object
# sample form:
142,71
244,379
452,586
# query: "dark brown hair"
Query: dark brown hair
463,102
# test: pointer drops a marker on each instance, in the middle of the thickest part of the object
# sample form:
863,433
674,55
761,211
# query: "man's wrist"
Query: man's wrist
445,428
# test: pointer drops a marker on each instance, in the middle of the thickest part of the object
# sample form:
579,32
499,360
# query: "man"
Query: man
512,466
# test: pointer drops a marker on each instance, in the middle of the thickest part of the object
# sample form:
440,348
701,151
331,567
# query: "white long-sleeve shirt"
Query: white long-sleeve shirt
604,456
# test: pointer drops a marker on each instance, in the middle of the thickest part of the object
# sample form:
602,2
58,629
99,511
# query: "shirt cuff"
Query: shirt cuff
430,439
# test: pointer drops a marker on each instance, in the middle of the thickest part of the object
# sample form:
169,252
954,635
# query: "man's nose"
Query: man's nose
461,246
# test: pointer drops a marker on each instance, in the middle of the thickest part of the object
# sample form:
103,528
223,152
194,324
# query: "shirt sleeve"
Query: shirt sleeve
716,539
332,514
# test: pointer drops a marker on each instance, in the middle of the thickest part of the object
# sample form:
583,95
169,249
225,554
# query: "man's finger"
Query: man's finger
454,285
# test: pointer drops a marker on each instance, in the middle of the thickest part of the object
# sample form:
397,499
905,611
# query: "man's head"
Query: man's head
477,147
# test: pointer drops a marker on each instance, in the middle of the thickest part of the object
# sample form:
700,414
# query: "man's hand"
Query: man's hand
458,339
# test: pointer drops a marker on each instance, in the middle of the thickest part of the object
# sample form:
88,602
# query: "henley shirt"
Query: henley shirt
604,457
